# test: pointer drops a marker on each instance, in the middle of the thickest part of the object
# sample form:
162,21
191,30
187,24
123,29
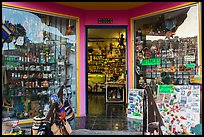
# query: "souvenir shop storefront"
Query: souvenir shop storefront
168,60
44,60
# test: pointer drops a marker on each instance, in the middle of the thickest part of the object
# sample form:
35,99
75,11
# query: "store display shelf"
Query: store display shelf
96,55
116,83
40,71
115,101
34,79
184,73
46,63
96,72
95,64
117,58
39,88
58,77
21,96
12,61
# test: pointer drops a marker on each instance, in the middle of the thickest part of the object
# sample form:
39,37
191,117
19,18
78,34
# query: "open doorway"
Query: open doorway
106,69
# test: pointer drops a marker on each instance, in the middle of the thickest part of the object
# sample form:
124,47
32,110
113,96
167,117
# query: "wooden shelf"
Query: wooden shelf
38,63
39,88
33,71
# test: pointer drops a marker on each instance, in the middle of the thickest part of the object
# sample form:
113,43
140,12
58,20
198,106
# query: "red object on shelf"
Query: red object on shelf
174,129
182,117
172,121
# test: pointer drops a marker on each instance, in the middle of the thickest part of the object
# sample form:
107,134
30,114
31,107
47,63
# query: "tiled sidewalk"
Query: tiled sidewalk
103,132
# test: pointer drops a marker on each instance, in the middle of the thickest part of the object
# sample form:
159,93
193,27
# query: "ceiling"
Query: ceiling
106,33
104,36
103,5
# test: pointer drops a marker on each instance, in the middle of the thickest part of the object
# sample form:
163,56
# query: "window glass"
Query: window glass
39,56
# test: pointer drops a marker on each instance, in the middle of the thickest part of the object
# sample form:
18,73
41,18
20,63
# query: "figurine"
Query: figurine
118,94
121,44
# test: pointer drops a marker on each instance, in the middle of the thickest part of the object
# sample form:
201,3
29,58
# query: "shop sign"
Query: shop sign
166,89
189,58
105,20
190,65
152,61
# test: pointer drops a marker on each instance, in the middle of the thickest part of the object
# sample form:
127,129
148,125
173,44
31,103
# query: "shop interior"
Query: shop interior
106,68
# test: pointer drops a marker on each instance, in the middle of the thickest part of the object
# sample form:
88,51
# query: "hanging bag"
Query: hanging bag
69,111
68,127
55,129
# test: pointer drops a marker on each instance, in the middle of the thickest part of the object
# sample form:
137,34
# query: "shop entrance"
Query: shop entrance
106,50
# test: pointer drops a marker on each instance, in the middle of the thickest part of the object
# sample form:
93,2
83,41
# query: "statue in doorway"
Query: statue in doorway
121,44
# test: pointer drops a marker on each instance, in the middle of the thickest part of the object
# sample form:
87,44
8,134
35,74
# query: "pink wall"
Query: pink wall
49,6
90,18
119,17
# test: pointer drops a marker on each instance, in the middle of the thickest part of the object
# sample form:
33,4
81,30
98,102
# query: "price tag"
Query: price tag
152,61
190,65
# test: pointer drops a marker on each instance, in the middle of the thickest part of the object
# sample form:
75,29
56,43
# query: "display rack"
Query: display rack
29,75
36,61
178,60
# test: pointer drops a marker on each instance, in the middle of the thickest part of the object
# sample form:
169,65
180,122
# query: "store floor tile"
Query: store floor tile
103,132
110,117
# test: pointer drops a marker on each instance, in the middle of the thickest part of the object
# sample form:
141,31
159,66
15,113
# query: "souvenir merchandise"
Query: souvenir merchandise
6,32
34,61
61,125
69,111
135,103
180,110
115,92
135,125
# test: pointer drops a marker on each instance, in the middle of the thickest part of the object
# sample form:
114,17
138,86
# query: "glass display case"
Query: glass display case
38,57
115,92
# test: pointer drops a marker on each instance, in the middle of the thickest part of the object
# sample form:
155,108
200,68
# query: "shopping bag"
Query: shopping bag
63,130
55,129
68,127
69,111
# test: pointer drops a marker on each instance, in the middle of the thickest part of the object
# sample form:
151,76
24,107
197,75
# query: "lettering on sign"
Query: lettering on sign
152,61
105,20
166,89
190,65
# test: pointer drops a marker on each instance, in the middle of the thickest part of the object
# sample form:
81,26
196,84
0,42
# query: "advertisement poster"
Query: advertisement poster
135,103
179,109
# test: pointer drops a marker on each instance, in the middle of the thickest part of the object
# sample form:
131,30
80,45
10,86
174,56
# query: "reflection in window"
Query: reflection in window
38,58
173,37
